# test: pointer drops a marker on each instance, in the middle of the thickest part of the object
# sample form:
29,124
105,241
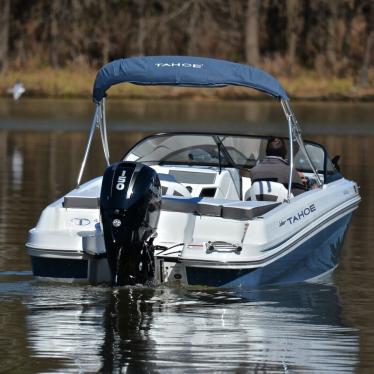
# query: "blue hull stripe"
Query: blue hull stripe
59,267
347,209
200,263
314,257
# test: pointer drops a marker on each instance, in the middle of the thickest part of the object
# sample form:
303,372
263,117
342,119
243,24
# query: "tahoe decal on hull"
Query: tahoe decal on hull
298,216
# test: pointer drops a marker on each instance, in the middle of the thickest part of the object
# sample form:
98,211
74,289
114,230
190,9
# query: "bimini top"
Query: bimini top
183,71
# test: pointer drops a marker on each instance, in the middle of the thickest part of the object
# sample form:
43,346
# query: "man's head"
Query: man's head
276,147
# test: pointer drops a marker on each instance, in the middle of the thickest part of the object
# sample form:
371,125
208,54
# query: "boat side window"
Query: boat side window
321,162
332,173
316,154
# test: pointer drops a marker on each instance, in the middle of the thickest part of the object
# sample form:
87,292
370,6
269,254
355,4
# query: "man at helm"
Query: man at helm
275,168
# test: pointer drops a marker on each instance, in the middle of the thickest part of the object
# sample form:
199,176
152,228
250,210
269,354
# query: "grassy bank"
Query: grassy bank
66,83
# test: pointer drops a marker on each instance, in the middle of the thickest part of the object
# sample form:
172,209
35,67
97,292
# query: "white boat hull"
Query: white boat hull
294,242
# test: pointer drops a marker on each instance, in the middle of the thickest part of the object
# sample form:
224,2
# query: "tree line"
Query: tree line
331,37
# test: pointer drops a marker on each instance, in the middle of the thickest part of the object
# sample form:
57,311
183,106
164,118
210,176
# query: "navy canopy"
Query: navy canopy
183,71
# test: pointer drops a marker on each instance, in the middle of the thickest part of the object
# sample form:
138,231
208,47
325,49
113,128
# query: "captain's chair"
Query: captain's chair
267,191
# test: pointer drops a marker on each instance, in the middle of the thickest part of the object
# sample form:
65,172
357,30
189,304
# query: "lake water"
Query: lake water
50,328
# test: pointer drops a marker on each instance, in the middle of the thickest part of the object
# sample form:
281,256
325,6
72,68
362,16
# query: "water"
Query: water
49,327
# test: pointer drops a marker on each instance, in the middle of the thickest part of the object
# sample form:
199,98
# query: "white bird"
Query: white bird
17,90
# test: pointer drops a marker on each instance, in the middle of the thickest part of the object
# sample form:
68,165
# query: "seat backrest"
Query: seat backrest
267,191
170,186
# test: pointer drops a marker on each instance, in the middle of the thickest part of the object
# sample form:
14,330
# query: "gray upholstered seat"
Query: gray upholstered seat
246,210
180,204
83,202
195,205
234,209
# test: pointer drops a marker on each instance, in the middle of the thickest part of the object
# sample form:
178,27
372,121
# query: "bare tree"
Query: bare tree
192,34
252,49
350,11
76,32
141,32
364,72
4,33
294,26
105,32
331,34
54,33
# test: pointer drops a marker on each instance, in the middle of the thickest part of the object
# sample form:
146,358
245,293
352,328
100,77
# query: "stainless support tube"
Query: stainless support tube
103,132
290,135
297,134
99,121
95,121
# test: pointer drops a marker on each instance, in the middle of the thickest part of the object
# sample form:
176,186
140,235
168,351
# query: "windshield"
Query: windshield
220,150
198,149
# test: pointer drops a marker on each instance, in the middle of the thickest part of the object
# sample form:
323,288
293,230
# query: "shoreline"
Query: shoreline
67,83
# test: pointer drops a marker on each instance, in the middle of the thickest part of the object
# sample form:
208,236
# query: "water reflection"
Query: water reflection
177,330
66,323
279,329
64,328
185,115
128,321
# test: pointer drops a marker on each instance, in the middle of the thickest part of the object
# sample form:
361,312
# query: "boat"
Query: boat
182,209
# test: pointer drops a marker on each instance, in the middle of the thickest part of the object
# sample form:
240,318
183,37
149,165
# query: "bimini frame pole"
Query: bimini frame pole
290,137
103,132
295,133
98,121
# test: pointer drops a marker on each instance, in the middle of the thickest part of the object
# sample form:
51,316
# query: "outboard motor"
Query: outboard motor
130,204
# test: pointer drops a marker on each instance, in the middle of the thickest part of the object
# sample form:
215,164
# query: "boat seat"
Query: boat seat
267,191
170,186
230,209
246,210
83,202
86,196
194,205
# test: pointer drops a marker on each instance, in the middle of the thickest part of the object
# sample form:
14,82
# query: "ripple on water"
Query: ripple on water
49,327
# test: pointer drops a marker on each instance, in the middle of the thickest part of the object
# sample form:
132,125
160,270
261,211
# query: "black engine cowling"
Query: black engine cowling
130,204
